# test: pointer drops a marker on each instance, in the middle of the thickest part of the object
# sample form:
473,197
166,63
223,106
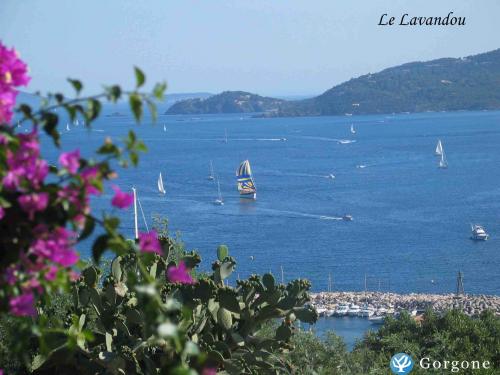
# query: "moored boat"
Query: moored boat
354,310
478,233
341,310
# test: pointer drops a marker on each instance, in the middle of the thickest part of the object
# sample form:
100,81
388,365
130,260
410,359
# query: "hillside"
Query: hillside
226,102
448,84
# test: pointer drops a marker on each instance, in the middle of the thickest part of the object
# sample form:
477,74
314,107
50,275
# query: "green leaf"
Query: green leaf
268,281
228,300
225,318
116,268
99,247
90,276
88,228
159,90
283,333
152,110
140,78
77,85
306,314
222,252
136,106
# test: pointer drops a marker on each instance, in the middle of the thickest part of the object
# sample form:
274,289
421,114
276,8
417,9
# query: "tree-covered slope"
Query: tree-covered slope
449,84
226,102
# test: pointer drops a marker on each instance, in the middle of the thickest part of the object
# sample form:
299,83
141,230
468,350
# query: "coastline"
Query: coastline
471,305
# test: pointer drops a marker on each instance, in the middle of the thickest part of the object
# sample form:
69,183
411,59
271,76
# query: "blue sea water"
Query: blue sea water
411,224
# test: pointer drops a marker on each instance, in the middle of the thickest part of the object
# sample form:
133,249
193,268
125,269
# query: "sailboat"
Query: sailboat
353,131
67,127
246,184
136,223
442,162
219,201
439,148
164,127
225,135
161,188
211,172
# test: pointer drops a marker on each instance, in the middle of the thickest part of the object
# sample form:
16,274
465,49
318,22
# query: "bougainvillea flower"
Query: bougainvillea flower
23,305
148,242
70,160
34,202
7,103
209,371
179,274
51,273
55,245
121,199
89,176
13,71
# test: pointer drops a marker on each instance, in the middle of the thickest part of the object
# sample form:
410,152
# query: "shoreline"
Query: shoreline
471,305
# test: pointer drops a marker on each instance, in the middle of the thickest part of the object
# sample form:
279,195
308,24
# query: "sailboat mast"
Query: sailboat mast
136,227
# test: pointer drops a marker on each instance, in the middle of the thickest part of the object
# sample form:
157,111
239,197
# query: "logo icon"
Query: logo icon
401,363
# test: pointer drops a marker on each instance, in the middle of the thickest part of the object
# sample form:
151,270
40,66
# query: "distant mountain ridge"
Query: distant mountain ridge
447,84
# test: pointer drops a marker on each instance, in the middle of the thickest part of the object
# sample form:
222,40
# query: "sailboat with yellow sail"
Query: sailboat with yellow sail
246,183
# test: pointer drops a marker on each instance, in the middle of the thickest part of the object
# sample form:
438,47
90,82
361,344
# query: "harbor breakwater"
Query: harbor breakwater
471,305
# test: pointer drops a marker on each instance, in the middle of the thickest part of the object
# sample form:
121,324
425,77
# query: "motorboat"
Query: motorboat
354,310
347,218
478,233
366,311
341,310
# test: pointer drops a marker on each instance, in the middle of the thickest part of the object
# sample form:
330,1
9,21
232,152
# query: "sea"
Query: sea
411,222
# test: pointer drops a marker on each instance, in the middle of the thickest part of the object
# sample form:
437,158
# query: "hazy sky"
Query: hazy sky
272,47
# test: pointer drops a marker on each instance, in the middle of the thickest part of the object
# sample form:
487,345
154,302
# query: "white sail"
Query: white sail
67,127
219,201
211,172
164,128
439,148
353,131
443,163
161,188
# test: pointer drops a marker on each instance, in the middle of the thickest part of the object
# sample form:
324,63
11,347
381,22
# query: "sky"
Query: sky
271,47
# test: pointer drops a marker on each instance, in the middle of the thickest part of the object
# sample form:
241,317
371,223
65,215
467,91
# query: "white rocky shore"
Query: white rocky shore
470,304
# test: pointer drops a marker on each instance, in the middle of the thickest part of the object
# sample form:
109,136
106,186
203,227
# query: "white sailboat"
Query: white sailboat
353,131
211,172
164,127
439,148
246,184
443,163
219,201
136,223
161,188
67,127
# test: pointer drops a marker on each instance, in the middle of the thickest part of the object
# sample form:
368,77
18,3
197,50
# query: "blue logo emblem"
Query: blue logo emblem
401,363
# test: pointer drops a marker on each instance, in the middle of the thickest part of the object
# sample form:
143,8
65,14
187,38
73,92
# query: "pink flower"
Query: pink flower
34,202
70,161
89,176
209,371
7,103
51,273
73,276
179,274
121,199
23,305
148,242
13,71
2,212
10,275
55,245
